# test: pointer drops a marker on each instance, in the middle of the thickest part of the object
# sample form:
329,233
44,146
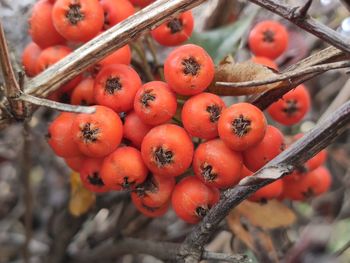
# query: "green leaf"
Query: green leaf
224,40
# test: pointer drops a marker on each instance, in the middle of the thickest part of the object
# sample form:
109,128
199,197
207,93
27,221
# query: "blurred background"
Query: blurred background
31,176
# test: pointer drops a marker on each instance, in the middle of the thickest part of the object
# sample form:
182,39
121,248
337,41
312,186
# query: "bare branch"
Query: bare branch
310,144
12,88
305,22
56,105
289,75
224,257
301,12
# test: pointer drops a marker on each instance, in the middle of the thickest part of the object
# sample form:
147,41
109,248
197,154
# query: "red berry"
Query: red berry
268,39
292,107
155,103
175,31
123,169
116,11
241,126
75,163
260,154
116,86
189,70
200,115
167,150
192,199
97,134
59,136
83,93
90,175
150,211
29,58
216,164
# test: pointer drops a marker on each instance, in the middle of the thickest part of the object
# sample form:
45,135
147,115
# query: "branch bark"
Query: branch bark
309,145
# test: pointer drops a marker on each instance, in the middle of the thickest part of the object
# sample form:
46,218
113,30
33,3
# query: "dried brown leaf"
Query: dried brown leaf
271,215
229,71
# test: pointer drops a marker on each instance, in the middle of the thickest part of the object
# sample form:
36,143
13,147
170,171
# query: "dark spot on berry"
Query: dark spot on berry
309,193
191,66
241,126
146,97
74,14
207,172
175,25
126,184
291,107
201,211
90,133
112,85
95,179
149,185
268,36
162,156
214,112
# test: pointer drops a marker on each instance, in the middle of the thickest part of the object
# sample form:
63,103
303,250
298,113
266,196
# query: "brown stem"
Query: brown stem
314,141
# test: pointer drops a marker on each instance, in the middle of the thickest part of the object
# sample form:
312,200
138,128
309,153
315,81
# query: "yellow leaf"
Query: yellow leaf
229,71
271,215
81,199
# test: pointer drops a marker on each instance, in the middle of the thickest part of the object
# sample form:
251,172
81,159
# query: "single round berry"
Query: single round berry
116,86
83,93
90,175
29,58
216,164
123,169
167,150
268,39
192,199
189,70
200,115
292,107
241,126
116,11
97,134
155,103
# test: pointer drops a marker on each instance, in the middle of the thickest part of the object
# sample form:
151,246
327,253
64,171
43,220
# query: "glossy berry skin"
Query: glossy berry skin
311,184
116,86
260,154
167,150
176,31
134,129
268,39
216,164
90,175
116,11
59,137
200,115
50,56
75,163
97,134
192,199
241,126
141,3
120,56
152,212
41,27
29,57
123,169
83,93
155,191
78,20
189,70
292,107
155,103
265,62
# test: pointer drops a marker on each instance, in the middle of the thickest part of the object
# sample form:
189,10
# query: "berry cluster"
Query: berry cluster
137,139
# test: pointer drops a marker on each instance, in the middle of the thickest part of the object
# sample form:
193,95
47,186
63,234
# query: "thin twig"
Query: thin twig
12,89
56,105
145,65
310,144
152,48
306,22
25,168
289,75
